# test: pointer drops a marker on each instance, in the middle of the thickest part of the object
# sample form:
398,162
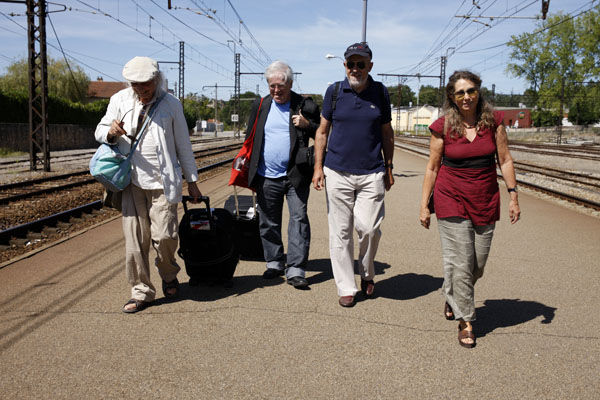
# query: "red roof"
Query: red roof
103,90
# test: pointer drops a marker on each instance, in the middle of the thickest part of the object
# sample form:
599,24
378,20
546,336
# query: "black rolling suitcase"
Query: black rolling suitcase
207,243
248,242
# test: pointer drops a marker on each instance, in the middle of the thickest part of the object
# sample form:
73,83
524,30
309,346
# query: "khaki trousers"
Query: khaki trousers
353,201
148,218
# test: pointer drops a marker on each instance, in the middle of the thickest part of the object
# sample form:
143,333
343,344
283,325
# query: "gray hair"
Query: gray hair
159,79
279,69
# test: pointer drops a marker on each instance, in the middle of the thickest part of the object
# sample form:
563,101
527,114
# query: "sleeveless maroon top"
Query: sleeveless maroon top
466,185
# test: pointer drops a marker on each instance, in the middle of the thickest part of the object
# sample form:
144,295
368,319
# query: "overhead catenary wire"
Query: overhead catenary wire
208,63
430,61
81,94
542,29
56,48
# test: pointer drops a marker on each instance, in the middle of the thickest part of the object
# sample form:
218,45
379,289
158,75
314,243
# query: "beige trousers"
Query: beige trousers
465,250
353,202
148,218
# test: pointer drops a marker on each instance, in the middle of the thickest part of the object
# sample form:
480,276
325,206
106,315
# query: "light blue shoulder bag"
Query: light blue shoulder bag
112,168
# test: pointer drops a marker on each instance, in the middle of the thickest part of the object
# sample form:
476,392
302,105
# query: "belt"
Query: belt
471,162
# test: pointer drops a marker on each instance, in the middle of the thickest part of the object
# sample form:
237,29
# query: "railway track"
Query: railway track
592,183
41,186
16,239
21,164
580,152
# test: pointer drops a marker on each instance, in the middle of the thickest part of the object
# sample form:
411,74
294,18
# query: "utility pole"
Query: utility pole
39,137
216,86
236,94
181,64
443,63
364,24
236,91
181,72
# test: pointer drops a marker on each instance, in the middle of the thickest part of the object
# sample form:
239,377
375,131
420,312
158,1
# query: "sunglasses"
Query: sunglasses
359,64
472,92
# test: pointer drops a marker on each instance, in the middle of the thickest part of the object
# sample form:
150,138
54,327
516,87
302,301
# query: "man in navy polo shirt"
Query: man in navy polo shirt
357,168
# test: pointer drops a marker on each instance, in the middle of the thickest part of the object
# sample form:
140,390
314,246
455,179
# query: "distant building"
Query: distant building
413,118
99,89
516,117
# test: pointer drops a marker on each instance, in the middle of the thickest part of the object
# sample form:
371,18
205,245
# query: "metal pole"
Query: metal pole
39,139
181,72
442,80
236,101
216,108
364,26
418,93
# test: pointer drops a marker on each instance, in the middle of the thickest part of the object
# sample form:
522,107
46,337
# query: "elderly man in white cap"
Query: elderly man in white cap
149,203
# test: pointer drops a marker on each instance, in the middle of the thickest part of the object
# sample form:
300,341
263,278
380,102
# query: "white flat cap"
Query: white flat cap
140,69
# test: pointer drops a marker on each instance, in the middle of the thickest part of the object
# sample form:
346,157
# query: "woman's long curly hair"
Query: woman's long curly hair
454,119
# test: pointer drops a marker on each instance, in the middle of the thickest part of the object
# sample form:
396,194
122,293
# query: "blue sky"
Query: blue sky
406,36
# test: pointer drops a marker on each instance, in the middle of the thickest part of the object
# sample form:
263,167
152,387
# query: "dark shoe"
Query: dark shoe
367,287
298,282
139,306
347,301
448,313
272,273
168,287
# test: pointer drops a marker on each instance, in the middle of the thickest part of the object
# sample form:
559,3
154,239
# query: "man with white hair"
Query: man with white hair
281,167
149,203
354,171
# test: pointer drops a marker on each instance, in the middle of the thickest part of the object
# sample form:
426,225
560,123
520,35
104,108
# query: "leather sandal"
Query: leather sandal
166,286
139,306
465,334
448,313
367,287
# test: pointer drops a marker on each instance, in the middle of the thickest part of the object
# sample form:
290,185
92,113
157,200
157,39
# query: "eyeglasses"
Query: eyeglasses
359,64
472,92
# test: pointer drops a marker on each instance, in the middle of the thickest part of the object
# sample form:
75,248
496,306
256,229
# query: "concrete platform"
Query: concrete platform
63,336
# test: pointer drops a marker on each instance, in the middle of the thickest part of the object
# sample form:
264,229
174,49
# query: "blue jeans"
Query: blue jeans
270,194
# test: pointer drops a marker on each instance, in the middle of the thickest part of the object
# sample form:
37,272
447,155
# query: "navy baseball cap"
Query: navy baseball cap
359,49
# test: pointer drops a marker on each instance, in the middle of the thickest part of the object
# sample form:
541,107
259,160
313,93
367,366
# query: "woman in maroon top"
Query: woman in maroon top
461,175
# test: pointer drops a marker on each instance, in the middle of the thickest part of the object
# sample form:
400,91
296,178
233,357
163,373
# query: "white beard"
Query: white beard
356,83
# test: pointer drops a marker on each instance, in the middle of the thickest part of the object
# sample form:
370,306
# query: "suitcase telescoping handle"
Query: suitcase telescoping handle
237,204
201,199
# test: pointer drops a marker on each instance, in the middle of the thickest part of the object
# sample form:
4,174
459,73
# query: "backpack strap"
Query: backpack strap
334,96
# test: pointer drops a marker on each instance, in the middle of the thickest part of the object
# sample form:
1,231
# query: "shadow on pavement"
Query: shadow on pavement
211,291
407,286
509,312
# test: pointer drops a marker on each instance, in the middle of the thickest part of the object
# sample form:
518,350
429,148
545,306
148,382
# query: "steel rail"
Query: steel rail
21,231
565,196
38,192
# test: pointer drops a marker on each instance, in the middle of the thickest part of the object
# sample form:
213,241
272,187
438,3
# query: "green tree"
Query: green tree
402,97
584,109
195,108
61,83
562,53
429,95
589,40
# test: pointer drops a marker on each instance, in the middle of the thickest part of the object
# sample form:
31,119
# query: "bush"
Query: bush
14,107
545,118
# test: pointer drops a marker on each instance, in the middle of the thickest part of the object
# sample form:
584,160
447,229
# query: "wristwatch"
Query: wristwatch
390,165
514,189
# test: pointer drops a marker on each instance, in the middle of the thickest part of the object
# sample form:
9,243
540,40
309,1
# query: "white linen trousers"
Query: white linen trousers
353,201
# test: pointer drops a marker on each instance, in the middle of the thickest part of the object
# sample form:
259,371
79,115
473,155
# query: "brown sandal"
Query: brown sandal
448,313
139,306
465,334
